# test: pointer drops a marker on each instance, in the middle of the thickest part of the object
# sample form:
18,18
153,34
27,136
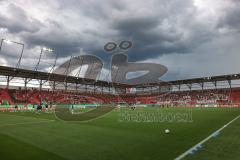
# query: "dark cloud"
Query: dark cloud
61,42
154,32
16,20
231,17
164,33
157,27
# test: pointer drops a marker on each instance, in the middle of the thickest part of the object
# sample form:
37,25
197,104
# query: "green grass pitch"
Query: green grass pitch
27,135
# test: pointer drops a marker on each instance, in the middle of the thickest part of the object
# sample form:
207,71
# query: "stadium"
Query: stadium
69,107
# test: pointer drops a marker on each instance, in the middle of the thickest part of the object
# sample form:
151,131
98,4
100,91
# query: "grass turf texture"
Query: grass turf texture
27,135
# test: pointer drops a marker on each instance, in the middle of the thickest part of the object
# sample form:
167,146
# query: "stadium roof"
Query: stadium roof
24,73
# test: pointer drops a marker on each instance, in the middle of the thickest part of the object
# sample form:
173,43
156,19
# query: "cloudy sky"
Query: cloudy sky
191,38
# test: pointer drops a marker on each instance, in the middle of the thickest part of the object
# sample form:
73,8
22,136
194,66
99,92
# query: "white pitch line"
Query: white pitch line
13,124
22,116
203,141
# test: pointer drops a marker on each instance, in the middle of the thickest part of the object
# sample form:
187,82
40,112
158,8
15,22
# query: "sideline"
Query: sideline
195,147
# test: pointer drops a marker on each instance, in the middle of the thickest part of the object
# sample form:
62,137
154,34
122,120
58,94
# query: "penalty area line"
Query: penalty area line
14,124
194,148
23,116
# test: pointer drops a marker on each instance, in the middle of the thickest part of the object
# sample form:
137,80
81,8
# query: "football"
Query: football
167,131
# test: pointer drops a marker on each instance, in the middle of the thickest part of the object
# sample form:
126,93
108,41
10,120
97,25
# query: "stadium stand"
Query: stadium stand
103,92
214,97
35,97
4,97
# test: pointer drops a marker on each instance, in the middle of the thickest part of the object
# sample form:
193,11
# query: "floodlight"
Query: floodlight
8,41
47,49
